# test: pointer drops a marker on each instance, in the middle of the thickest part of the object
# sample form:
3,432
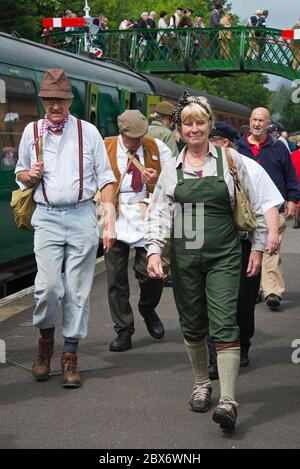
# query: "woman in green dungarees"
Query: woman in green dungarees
196,191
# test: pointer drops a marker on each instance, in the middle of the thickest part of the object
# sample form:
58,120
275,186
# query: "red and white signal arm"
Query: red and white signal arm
63,22
290,34
97,51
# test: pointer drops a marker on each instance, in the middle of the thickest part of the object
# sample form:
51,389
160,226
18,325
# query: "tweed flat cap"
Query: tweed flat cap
133,123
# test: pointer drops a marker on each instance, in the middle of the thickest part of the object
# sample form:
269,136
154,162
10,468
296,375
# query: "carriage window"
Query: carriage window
18,107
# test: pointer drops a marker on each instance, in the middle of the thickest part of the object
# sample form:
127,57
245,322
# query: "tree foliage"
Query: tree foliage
25,17
286,108
247,89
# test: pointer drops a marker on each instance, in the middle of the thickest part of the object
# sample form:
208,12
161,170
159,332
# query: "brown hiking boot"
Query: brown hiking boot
200,398
226,414
41,365
71,378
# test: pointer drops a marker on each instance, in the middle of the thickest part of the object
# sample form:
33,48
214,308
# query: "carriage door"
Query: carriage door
151,103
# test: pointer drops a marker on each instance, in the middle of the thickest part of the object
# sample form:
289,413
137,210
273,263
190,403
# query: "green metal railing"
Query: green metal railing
209,51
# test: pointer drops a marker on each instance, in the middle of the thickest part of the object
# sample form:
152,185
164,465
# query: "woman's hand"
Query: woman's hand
154,267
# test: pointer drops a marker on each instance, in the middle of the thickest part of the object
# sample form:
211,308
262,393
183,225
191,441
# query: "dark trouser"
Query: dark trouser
249,288
118,286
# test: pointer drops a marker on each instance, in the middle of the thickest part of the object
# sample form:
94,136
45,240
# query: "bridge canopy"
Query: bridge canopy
209,51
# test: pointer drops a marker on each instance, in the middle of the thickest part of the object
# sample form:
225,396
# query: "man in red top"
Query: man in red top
274,157
295,156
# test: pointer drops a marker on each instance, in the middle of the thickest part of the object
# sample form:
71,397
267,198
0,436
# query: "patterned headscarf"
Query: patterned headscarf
184,100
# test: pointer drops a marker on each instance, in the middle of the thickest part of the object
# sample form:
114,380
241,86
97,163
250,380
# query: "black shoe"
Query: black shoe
273,301
122,342
244,359
225,414
154,325
213,371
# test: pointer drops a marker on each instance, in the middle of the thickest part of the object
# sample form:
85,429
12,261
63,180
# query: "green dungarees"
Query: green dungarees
206,280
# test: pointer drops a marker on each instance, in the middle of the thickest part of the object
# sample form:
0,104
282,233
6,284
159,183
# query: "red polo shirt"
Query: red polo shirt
256,147
295,156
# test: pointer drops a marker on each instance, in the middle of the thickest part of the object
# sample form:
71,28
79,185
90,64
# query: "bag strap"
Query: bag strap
80,145
38,143
232,168
129,161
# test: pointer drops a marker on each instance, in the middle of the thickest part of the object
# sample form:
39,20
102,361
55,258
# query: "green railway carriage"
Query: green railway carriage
102,90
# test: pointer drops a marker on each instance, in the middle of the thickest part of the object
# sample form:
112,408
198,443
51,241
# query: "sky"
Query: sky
282,15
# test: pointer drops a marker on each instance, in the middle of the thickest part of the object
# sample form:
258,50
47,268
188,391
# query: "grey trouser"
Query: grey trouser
67,235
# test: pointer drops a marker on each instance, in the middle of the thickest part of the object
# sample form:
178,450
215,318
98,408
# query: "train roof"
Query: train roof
174,90
35,56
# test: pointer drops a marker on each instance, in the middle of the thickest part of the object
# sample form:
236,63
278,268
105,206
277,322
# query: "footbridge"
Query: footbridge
212,52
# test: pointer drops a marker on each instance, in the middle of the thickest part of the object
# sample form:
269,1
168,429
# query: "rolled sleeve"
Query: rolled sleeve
103,171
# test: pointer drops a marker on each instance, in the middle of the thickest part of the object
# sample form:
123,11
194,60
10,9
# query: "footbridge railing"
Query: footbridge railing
208,51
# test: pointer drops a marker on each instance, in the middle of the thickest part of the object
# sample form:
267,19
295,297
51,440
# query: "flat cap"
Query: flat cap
275,127
224,129
199,15
133,123
165,108
55,84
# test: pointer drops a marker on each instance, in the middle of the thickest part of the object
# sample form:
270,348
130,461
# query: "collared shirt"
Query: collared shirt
159,217
61,163
256,147
129,224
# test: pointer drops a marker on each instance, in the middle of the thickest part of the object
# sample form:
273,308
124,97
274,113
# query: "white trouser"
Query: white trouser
68,235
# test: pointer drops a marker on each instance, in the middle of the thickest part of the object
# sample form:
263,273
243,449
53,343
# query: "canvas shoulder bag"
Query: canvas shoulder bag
244,216
22,202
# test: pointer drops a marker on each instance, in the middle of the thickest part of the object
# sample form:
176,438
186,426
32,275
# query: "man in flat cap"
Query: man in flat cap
134,183
74,165
161,125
